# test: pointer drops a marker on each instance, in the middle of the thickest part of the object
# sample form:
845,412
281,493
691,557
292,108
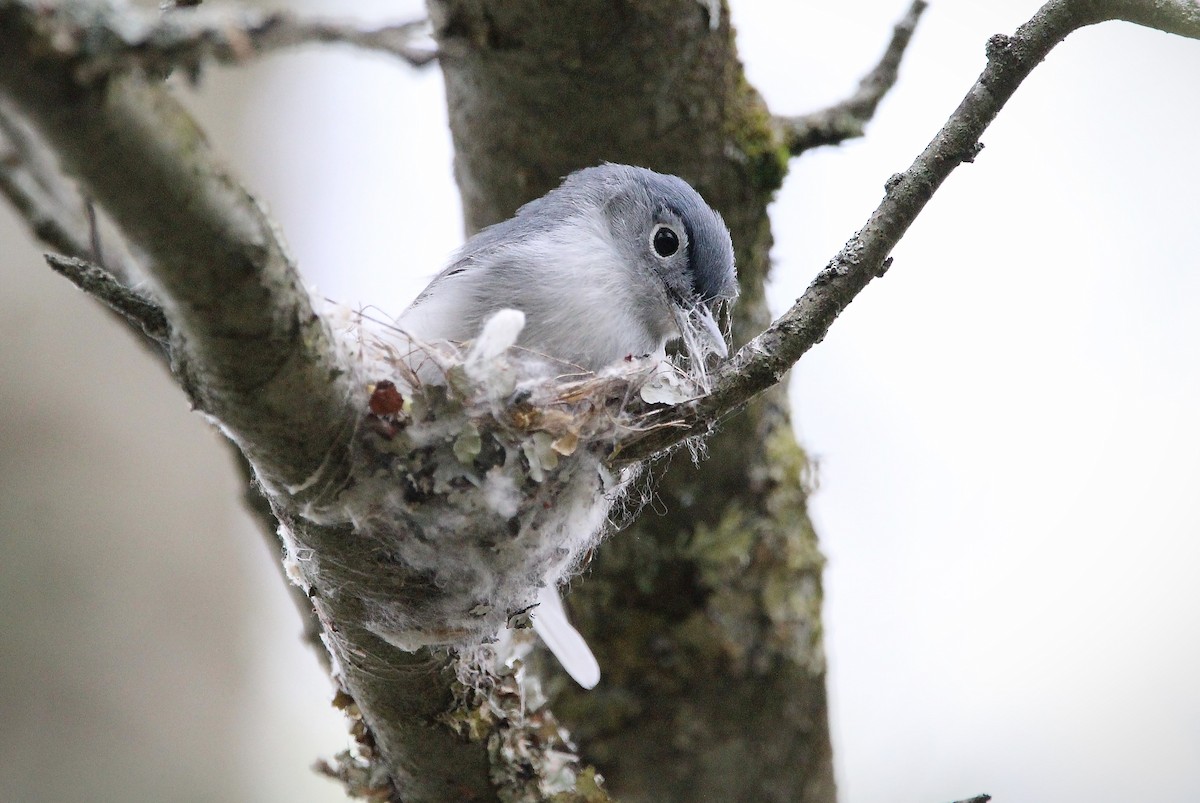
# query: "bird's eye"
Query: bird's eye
664,240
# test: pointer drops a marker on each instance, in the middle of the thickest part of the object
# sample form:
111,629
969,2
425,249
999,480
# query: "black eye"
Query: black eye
665,241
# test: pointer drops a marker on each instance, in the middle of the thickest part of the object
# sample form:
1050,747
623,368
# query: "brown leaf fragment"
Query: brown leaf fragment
566,444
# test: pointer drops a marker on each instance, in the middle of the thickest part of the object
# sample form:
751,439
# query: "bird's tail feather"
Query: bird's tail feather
560,636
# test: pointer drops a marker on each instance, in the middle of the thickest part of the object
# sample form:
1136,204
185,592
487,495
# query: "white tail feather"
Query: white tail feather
560,636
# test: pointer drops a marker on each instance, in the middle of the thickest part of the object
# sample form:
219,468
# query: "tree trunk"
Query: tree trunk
706,620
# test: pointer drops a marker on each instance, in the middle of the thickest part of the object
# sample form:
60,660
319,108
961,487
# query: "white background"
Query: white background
1005,424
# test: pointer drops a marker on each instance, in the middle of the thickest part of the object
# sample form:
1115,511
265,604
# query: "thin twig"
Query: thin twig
847,119
763,361
190,37
102,285
96,250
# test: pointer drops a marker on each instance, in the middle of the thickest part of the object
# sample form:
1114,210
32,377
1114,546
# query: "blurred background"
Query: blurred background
1006,429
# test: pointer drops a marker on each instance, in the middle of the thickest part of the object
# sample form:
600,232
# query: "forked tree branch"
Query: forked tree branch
847,119
763,361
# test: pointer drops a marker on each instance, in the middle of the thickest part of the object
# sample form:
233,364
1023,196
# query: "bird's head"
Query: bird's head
665,231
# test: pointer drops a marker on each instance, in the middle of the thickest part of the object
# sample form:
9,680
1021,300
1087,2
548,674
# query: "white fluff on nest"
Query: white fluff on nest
483,475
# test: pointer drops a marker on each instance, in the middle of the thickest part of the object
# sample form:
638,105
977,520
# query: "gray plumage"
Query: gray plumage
616,262
592,267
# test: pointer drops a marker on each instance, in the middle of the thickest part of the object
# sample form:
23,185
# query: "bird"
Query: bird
614,263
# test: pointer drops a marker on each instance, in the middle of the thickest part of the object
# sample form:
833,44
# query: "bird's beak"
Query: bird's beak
711,330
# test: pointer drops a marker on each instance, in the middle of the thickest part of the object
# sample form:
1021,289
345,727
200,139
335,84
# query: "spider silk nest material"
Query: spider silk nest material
477,477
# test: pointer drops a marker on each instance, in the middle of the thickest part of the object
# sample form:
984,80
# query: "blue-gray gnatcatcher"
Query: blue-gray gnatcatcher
614,263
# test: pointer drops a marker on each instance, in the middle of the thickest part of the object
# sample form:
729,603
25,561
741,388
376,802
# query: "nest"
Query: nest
478,477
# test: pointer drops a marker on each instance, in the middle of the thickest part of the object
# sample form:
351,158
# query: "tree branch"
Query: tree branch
762,362
189,38
846,120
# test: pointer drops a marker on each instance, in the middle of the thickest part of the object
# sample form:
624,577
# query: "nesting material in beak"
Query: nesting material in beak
700,332
710,330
